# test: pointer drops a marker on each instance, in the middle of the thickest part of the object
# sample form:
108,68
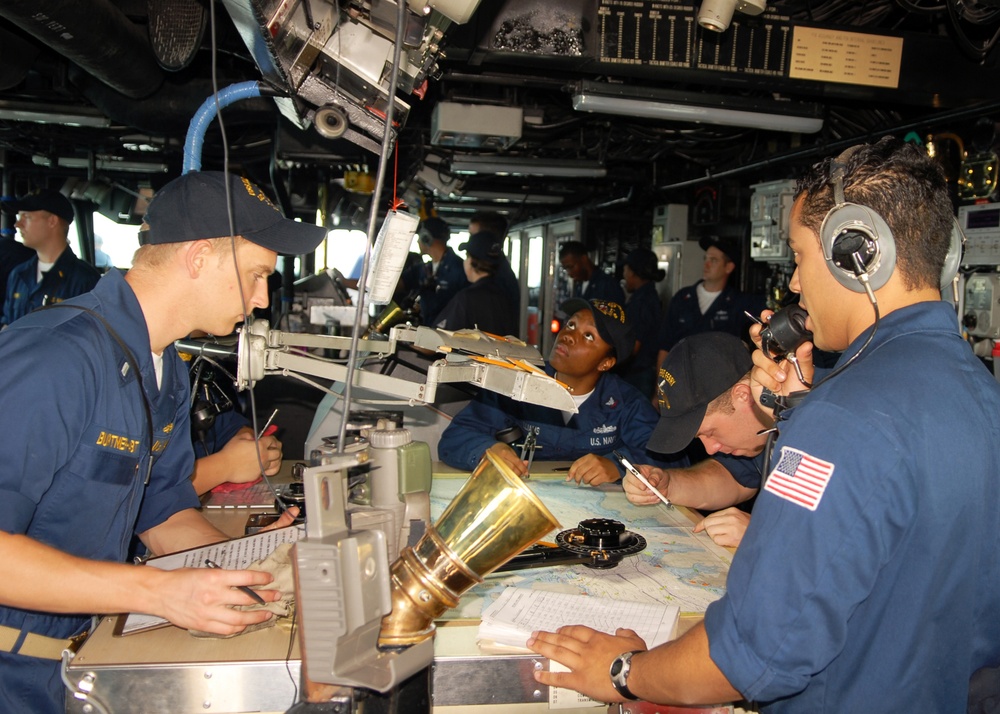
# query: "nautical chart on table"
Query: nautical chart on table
677,566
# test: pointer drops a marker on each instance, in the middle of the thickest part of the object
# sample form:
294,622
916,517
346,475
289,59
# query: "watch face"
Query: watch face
616,667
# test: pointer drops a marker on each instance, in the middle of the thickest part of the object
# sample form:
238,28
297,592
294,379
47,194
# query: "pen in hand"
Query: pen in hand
243,588
263,429
642,479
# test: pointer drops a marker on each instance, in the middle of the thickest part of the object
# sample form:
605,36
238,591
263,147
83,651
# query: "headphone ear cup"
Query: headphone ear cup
954,257
850,229
203,415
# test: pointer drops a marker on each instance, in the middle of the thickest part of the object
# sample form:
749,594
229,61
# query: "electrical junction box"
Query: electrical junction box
770,208
670,223
475,126
980,224
982,310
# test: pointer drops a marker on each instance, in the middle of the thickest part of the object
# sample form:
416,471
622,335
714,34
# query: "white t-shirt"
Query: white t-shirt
43,268
705,298
578,400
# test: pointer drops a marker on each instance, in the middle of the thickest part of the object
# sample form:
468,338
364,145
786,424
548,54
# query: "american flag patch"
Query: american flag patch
799,478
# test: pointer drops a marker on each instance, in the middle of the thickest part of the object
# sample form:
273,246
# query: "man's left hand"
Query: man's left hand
588,654
286,519
725,527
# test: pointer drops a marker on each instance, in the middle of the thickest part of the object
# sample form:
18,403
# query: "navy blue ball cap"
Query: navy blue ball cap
484,246
609,318
43,199
194,207
730,248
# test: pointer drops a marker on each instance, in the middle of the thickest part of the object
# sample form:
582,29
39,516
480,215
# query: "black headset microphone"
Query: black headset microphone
208,400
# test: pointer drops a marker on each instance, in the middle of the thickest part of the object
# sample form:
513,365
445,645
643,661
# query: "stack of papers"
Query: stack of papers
518,612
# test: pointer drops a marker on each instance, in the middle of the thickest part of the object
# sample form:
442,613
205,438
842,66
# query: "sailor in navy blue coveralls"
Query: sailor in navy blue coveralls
614,415
725,314
438,287
84,489
909,535
97,446
69,276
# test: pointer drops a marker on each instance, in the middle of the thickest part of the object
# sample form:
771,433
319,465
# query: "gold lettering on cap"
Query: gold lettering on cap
254,191
611,309
666,379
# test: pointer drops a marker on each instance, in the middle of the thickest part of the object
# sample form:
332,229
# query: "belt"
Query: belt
34,645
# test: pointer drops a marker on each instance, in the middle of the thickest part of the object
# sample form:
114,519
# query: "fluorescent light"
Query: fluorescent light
700,109
502,197
105,164
52,114
512,166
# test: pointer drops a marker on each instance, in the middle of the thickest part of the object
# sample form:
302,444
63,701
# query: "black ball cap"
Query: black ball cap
195,207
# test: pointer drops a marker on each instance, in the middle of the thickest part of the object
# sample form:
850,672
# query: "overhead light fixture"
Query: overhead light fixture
53,114
103,164
514,166
715,15
521,198
772,115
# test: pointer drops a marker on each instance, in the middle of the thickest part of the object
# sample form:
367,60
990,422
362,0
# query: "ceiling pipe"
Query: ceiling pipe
81,32
833,148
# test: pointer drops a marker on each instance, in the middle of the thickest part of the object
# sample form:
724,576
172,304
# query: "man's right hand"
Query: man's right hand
202,599
510,457
779,377
638,494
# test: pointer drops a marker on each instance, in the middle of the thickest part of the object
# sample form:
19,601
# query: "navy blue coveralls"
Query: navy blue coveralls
615,416
483,305
438,288
868,577
602,286
75,453
68,277
725,314
644,313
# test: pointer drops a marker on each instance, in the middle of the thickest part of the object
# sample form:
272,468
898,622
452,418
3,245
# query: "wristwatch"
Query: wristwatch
620,668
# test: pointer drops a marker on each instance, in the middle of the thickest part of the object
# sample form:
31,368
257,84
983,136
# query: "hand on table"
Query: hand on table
725,527
588,654
593,470
203,599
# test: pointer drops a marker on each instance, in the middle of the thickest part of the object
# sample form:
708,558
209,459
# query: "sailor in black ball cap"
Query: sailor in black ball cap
98,448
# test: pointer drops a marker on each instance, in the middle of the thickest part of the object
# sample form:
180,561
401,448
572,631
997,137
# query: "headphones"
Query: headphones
858,246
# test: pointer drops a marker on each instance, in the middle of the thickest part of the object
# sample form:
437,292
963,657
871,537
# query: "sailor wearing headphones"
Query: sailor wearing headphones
438,281
97,443
867,579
